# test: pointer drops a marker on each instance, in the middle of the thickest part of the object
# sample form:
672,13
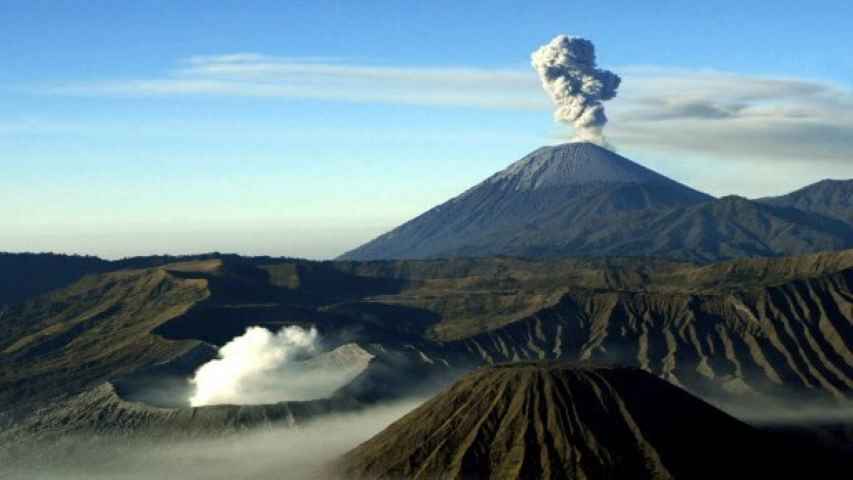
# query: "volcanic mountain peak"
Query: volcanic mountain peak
579,199
542,205
573,164
558,421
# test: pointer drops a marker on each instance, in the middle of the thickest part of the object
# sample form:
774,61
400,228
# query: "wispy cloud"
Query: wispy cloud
256,75
249,66
734,115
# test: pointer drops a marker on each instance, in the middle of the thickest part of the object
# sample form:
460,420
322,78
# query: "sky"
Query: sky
307,128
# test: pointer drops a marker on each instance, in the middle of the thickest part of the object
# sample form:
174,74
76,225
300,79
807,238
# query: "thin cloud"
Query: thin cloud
247,57
746,139
256,75
701,111
441,97
735,116
654,109
253,66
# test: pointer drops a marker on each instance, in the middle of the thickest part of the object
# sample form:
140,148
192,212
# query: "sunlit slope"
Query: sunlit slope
97,328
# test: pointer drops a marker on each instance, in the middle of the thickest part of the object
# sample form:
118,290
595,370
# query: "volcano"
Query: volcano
540,204
580,199
563,421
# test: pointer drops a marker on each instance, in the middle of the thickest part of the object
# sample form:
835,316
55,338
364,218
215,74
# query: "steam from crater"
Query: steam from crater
253,368
566,65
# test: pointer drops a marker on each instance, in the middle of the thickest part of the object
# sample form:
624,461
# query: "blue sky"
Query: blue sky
306,128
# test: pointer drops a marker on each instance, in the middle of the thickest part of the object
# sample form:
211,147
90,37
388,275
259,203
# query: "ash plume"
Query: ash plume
566,65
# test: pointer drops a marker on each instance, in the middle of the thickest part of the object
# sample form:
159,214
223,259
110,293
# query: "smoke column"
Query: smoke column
566,66
249,363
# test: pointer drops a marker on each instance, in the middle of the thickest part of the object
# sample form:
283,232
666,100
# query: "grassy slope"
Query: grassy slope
99,326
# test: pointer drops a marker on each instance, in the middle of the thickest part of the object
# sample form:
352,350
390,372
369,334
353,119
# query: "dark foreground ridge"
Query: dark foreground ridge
568,421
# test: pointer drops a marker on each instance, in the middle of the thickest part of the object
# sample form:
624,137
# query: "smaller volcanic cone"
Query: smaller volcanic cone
560,421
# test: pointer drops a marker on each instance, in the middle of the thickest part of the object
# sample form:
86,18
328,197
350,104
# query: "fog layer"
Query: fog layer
280,452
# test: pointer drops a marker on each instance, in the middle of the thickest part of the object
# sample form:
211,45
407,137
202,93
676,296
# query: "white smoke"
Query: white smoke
567,68
253,368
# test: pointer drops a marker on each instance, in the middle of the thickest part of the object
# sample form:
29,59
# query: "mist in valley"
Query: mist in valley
773,414
256,368
300,452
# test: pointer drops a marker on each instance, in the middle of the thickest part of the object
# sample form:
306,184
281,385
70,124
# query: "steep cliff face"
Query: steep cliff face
790,339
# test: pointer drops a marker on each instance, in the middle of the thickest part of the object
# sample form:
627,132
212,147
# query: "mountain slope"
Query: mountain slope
99,327
733,227
830,198
24,275
557,421
27,275
778,328
101,411
764,330
532,204
787,341
578,199
165,320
